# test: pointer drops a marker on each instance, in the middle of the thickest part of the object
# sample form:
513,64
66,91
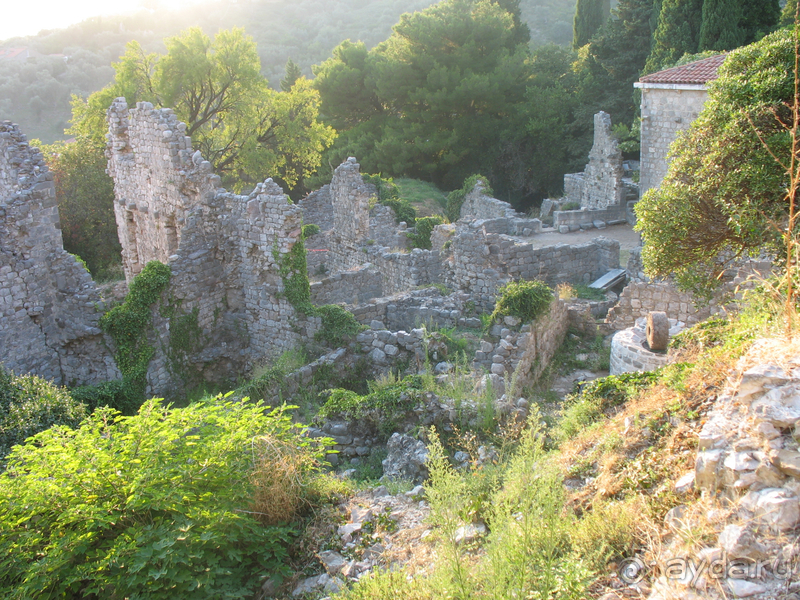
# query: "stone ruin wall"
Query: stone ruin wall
49,305
479,205
222,248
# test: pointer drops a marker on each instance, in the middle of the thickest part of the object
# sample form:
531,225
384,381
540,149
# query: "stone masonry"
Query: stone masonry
49,306
225,250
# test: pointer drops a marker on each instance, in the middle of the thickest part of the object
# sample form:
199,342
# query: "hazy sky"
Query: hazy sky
28,17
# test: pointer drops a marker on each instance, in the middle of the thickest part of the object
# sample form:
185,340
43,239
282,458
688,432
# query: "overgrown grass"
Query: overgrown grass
426,198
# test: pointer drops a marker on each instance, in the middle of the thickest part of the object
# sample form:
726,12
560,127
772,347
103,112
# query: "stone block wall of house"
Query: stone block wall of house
667,109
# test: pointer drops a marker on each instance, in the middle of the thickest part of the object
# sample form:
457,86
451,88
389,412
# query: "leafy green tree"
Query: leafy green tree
244,128
760,17
588,19
612,62
293,73
724,189
85,196
677,32
788,13
433,100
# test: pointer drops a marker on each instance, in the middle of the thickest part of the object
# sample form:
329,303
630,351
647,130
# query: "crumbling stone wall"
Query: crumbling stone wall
480,261
49,305
666,110
479,205
600,185
639,298
225,250
525,349
318,208
349,287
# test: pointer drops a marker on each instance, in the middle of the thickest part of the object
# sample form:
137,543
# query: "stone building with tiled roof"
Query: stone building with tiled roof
671,100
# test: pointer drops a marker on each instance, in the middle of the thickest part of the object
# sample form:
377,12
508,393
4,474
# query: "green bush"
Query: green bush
455,199
389,195
385,405
526,300
157,506
339,326
596,397
113,394
570,206
421,238
30,404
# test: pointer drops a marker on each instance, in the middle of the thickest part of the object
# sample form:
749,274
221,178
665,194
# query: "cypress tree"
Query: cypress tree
759,17
588,19
721,28
677,32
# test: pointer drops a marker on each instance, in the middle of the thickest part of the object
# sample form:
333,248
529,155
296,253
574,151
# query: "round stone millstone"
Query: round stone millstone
657,331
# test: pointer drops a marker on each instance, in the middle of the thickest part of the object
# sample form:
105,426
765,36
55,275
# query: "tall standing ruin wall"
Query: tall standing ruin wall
225,251
49,305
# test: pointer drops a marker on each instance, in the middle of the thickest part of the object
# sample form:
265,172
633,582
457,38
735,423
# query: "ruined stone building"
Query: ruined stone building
671,100
49,306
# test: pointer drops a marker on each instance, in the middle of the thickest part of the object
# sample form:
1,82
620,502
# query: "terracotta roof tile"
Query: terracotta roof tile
699,71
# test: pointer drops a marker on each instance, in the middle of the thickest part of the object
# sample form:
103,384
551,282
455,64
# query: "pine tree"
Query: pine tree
677,32
721,29
588,19
293,73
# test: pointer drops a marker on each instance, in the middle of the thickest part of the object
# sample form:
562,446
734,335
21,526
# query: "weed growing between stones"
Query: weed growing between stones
389,195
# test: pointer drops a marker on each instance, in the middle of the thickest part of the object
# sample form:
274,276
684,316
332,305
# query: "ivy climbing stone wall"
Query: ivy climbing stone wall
49,305
226,307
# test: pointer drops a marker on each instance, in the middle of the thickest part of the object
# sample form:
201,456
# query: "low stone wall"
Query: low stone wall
349,287
525,350
640,298
478,205
420,307
629,351
479,262
566,221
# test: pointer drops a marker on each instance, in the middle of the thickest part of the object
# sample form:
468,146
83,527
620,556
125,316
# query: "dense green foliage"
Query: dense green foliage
85,196
156,505
76,60
677,32
455,199
128,324
443,97
386,406
526,300
389,195
339,326
113,394
588,19
241,125
421,238
28,405
723,187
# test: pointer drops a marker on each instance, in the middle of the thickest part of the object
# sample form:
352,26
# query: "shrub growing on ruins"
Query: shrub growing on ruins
456,198
525,300
339,325
421,238
113,394
389,195
30,404
158,505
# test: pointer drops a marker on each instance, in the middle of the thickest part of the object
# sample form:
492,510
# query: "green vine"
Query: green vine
128,323
421,238
338,325
185,338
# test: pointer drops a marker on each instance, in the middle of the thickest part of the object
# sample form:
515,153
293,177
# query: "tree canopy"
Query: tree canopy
243,127
725,189
446,96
